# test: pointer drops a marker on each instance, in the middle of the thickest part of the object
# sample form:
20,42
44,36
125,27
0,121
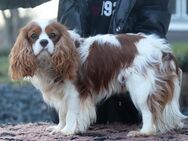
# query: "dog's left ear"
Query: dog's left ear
22,61
65,58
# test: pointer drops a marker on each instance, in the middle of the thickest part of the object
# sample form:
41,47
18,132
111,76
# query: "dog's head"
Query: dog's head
40,44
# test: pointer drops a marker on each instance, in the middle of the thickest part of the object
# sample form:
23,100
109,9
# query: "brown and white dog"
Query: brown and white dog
73,80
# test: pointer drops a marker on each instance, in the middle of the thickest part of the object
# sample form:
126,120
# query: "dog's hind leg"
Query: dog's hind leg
140,87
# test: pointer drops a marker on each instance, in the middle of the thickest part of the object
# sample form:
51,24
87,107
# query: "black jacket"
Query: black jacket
147,16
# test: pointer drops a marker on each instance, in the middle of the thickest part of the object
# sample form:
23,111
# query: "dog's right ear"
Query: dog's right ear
65,59
22,61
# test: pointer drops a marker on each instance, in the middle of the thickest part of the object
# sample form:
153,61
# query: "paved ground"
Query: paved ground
111,132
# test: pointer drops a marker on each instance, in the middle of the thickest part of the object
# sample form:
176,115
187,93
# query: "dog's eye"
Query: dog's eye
52,35
34,36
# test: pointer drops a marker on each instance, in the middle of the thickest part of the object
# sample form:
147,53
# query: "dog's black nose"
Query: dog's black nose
44,42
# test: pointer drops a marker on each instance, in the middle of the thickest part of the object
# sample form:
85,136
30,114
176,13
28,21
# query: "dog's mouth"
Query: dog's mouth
44,55
44,52
43,58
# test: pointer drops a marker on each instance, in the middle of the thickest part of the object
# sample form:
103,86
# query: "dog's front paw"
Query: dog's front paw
54,129
68,131
134,134
51,128
138,133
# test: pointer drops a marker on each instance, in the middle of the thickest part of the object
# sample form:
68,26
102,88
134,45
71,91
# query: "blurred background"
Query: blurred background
21,102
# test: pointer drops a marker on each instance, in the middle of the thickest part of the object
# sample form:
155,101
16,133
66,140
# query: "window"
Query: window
175,6
179,9
172,6
185,9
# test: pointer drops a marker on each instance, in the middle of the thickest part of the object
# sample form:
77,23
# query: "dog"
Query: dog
74,74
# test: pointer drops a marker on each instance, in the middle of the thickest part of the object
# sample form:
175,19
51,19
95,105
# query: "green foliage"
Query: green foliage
181,52
4,69
4,51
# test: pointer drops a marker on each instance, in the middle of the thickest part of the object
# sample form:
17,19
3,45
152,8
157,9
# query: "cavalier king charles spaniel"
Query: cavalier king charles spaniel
74,74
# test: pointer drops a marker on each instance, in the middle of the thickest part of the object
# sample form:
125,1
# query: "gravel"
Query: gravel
21,104
109,132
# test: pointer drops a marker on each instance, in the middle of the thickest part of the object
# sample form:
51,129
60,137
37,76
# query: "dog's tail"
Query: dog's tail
171,116
164,100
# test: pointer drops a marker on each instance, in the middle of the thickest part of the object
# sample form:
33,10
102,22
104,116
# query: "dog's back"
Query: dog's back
145,64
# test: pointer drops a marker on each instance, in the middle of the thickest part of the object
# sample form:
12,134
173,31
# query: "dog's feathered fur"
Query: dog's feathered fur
73,79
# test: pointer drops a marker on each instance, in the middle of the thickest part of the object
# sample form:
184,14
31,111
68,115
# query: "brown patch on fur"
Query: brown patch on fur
53,32
165,86
170,57
104,63
65,59
33,29
22,60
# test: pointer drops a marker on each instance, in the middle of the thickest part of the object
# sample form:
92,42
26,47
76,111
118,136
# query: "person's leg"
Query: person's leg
118,108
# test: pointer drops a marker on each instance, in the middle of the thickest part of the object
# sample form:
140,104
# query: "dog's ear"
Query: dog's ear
22,61
65,58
